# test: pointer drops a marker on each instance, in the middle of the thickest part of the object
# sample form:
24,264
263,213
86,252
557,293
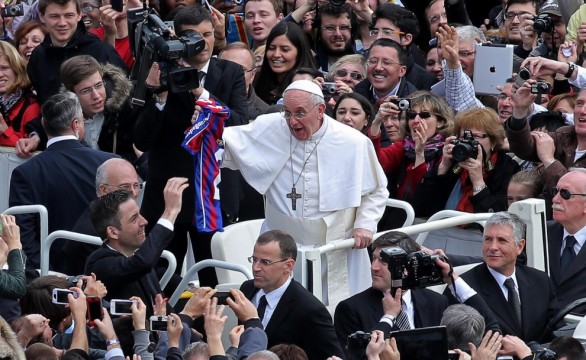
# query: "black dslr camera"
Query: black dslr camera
403,104
543,23
465,148
414,270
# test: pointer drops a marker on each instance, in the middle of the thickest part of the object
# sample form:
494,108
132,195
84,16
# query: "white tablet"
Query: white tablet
493,65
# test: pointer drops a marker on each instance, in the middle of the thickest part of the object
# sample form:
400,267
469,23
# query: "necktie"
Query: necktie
402,319
568,255
262,306
514,300
201,75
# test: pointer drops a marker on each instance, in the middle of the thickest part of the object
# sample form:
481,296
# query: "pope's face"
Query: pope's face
304,118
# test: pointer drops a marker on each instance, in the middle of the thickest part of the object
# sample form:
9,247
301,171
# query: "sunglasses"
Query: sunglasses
354,75
412,115
564,193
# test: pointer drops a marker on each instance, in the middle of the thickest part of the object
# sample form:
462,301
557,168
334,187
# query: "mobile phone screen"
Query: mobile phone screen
117,5
94,309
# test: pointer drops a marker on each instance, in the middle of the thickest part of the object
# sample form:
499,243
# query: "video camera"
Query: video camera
414,270
154,42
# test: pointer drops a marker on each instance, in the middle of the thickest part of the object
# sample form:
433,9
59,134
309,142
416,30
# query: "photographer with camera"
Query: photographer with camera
407,161
160,130
396,254
474,172
549,25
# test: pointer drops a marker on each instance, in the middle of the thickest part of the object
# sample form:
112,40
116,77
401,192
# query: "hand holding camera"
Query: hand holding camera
387,108
242,307
174,329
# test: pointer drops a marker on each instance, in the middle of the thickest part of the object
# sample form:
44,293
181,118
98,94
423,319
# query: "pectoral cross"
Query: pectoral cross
293,195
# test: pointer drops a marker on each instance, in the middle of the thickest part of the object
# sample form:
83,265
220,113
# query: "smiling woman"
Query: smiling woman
18,105
287,49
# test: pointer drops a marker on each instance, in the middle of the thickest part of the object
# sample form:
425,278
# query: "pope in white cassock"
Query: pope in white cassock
321,178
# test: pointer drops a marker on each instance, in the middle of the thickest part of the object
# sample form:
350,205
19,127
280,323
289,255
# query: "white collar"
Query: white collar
274,296
500,278
61,138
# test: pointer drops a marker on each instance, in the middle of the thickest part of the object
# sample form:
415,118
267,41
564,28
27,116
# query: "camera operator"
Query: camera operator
161,127
377,309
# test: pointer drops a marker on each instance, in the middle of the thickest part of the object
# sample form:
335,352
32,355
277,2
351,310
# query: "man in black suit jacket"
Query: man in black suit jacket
569,219
114,174
376,309
161,127
126,261
504,240
291,315
61,178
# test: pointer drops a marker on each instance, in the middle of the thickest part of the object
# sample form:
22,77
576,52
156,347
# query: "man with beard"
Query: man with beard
335,33
516,12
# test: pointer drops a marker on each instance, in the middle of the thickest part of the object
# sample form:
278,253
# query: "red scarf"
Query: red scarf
464,204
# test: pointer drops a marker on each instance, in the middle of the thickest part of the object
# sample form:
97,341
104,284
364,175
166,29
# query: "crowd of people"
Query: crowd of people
309,114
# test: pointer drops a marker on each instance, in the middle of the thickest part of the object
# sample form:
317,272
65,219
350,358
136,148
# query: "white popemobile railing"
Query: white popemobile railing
531,211
73,236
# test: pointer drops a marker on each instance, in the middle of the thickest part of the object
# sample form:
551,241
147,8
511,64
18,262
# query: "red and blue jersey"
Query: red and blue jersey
203,140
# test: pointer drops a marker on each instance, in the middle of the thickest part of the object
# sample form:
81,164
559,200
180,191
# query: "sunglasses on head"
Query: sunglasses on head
354,75
412,115
564,193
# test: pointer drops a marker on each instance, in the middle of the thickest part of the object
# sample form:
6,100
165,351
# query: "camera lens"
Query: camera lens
461,152
404,104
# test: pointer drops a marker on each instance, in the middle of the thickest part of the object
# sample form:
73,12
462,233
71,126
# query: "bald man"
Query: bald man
112,175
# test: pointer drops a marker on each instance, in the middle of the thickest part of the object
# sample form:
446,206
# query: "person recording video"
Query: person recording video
377,309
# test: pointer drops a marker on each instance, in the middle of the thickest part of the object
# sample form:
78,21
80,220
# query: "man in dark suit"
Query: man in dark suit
289,313
567,257
61,178
126,261
114,174
504,240
161,127
376,309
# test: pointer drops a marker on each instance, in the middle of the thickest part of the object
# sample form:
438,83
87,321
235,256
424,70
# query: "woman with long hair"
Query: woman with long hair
287,49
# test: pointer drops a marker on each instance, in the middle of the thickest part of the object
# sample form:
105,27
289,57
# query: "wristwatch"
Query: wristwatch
571,68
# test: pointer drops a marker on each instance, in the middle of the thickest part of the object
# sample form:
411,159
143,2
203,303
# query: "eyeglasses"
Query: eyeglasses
477,136
88,8
466,53
264,262
436,18
510,15
128,187
88,90
385,63
299,115
564,193
333,28
354,75
386,32
424,115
